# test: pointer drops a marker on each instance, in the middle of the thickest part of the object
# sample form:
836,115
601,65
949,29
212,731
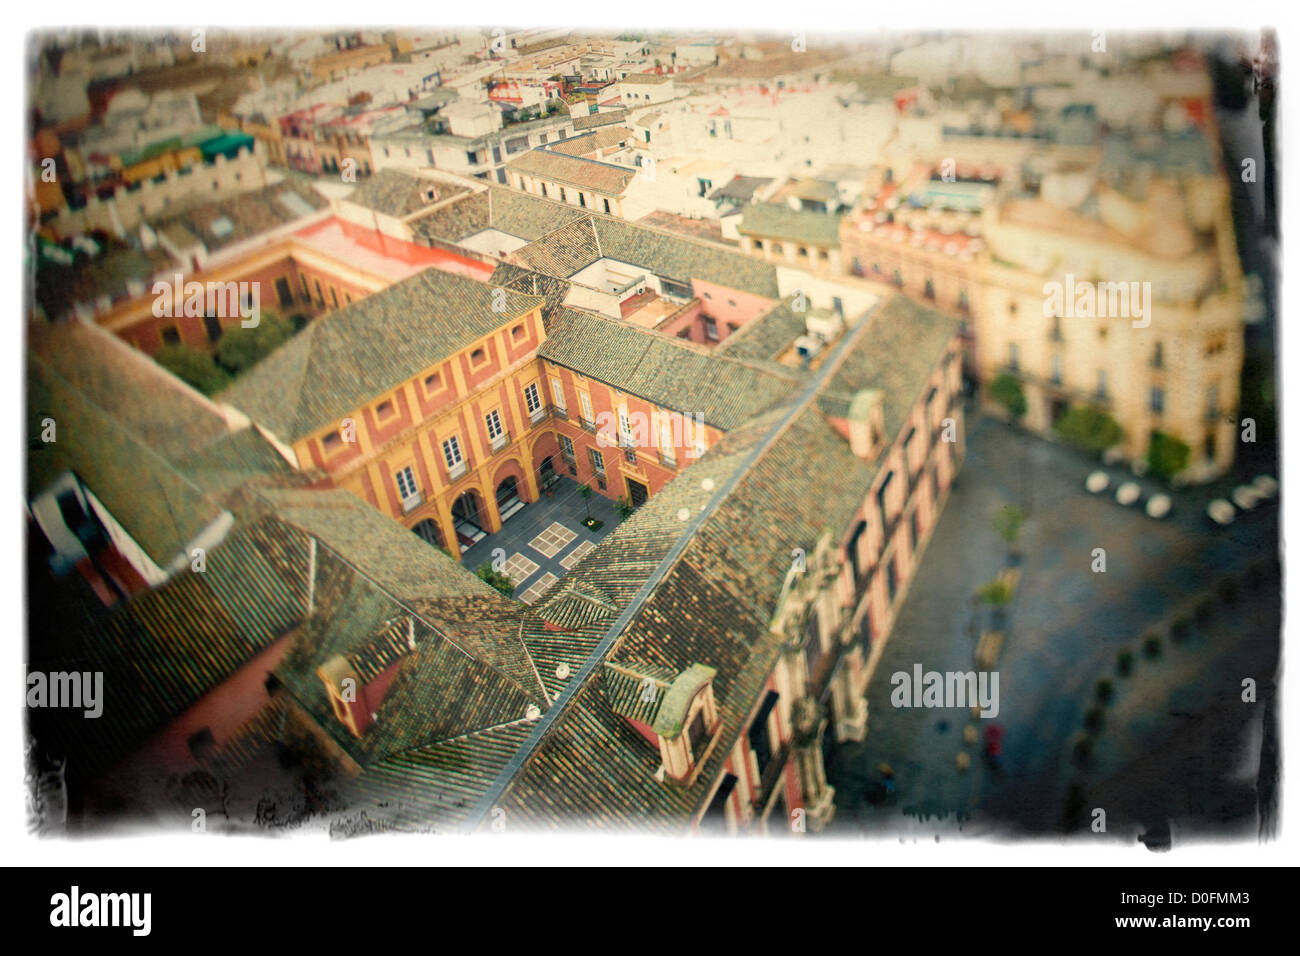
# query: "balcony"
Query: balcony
537,414
501,441
411,502
458,470
558,411
588,426
668,461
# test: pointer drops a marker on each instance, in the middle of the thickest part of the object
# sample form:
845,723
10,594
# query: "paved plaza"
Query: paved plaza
545,539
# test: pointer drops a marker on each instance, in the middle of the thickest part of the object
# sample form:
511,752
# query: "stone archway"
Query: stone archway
428,530
469,518
508,501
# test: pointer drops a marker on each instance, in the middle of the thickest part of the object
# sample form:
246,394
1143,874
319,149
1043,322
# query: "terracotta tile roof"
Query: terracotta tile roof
906,339
115,463
585,143
781,222
239,218
662,369
343,360
578,244
163,650
766,335
625,685
604,178
398,193
433,788
603,118
553,290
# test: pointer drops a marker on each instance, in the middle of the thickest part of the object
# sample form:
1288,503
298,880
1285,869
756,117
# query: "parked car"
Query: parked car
1220,511
1245,497
1265,486
1158,506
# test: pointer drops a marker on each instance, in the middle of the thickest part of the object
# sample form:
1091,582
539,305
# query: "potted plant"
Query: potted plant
1007,524
593,523
997,595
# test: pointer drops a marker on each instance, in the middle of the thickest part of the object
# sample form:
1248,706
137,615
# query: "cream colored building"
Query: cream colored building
1038,284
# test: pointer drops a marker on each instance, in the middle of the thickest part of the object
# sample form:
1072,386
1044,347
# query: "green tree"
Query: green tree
1007,523
193,366
242,348
1167,456
1006,391
497,579
1089,429
996,593
586,491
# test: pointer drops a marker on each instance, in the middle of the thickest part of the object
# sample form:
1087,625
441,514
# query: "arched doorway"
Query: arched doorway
546,476
428,530
467,518
508,501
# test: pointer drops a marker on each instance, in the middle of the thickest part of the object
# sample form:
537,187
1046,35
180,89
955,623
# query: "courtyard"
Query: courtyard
543,540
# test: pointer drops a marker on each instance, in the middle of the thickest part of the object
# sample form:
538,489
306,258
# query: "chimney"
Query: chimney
346,693
867,423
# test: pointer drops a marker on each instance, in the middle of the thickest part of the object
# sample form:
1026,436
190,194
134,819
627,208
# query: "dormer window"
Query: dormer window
477,356
433,382
676,713
332,442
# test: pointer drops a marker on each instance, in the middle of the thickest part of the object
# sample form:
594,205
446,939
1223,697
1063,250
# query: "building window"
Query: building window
1101,383
384,409
1158,356
212,325
332,442
557,395
477,356
171,336
407,488
517,331
710,329
433,382
891,580
607,210
566,449
455,461
882,497
496,434
1056,370
564,197
1157,400
533,399
588,419
1014,360
597,461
